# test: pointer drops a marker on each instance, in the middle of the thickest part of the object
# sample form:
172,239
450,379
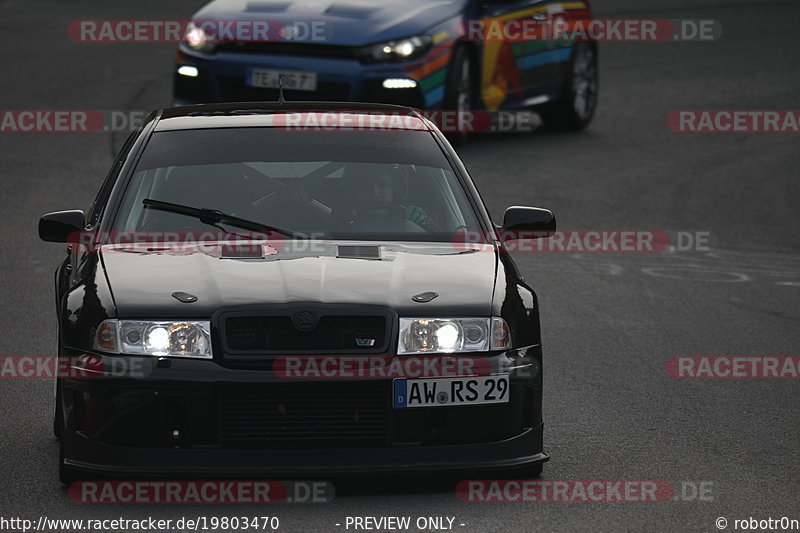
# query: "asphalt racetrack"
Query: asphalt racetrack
610,321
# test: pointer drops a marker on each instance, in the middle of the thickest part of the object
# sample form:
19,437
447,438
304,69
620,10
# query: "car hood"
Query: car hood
142,280
345,22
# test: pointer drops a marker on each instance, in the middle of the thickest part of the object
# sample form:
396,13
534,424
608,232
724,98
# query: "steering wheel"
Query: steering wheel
382,209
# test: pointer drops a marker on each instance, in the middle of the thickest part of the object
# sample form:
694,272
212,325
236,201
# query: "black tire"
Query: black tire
459,90
575,108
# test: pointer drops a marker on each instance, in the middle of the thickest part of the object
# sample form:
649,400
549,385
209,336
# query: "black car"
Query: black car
232,253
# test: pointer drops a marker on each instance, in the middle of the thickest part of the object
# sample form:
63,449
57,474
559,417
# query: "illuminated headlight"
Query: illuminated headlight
399,83
197,39
190,338
188,70
399,50
452,335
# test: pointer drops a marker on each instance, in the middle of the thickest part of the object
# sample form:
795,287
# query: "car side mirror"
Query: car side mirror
61,226
528,223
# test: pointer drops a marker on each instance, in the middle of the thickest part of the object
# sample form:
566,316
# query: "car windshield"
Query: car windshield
386,185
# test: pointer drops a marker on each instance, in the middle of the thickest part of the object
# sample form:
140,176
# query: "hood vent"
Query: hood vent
267,7
359,252
242,251
351,11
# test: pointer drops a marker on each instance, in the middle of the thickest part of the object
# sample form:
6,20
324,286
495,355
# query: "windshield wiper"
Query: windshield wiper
213,217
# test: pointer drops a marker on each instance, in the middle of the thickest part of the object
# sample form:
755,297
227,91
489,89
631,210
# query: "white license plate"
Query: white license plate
443,392
292,79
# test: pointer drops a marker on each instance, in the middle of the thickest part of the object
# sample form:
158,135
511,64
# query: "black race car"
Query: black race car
293,288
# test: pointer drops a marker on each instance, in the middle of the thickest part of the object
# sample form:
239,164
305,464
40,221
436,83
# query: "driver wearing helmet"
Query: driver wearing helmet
383,191
378,194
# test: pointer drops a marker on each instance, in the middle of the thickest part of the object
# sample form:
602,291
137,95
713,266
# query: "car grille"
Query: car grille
233,89
306,415
335,333
290,49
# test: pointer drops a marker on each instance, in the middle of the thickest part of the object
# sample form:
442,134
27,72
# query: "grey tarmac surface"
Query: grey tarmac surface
610,321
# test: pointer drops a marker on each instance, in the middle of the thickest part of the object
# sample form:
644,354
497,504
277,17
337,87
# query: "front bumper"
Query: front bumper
197,417
221,78
96,458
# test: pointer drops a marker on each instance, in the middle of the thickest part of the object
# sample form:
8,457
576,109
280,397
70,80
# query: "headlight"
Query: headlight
452,335
399,50
189,338
198,39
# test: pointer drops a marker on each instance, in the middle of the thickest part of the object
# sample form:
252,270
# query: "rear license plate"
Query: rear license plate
443,392
292,79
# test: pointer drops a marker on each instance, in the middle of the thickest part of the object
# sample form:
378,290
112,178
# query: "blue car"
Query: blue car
427,54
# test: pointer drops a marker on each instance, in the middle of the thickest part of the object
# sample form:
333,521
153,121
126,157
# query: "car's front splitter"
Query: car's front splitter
93,458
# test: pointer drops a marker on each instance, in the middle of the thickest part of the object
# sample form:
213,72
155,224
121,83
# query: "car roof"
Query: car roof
305,115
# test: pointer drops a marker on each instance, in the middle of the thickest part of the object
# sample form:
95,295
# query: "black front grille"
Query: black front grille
290,49
306,415
332,334
233,89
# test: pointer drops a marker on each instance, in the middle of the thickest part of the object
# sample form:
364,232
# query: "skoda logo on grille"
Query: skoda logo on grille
305,320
